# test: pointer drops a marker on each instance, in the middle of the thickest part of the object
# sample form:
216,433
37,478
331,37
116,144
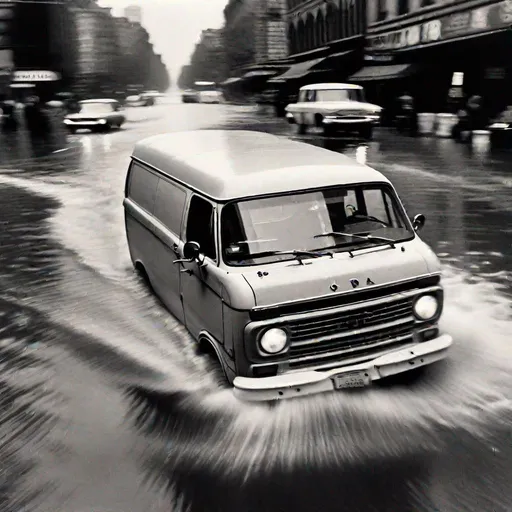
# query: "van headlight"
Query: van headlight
274,341
102,121
426,307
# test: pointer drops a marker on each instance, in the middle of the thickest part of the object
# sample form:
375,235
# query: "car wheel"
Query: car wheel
366,132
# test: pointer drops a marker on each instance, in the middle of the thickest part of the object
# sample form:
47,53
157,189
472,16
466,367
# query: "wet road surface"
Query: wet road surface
105,405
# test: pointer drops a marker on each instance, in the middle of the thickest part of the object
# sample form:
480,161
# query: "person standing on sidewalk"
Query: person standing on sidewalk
476,114
407,121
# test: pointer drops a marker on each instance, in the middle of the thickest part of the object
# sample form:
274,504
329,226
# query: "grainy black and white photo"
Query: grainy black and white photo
255,255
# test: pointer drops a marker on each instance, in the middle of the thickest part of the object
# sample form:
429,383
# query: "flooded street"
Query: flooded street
106,406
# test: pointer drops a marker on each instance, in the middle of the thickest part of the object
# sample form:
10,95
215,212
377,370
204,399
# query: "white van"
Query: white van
297,267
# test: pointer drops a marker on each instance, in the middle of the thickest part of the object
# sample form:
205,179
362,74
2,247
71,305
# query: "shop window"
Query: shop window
403,7
200,226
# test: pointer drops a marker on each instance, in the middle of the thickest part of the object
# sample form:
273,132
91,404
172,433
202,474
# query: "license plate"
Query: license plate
351,380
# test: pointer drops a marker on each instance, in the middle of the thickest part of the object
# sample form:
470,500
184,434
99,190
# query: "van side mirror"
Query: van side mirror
191,252
418,222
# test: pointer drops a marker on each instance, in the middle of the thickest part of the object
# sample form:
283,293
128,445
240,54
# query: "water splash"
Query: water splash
210,428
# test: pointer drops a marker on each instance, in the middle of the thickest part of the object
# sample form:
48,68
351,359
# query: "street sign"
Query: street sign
35,76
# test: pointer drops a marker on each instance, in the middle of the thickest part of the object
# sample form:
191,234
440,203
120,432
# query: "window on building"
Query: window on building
426,3
403,6
200,226
142,188
169,205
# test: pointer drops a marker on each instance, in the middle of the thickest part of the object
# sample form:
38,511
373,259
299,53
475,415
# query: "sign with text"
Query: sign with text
490,17
35,76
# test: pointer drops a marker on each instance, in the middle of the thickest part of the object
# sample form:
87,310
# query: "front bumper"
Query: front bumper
290,385
83,124
349,122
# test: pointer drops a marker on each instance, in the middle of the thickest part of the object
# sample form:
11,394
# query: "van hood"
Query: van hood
291,281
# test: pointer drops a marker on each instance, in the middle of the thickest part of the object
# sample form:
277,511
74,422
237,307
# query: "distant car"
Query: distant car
212,96
96,115
189,96
334,107
141,100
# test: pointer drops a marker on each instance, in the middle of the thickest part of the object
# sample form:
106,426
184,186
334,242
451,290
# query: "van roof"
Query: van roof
333,86
231,164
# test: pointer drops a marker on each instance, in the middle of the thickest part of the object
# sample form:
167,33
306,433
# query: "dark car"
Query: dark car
189,96
96,115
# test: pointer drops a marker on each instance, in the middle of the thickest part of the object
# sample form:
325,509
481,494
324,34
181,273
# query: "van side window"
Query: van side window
142,189
169,205
200,226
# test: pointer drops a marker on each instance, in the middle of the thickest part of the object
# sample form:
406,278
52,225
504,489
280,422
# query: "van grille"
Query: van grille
365,316
360,331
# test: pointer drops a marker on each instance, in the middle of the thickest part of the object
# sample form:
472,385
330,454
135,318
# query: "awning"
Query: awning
298,70
231,81
382,72
259,73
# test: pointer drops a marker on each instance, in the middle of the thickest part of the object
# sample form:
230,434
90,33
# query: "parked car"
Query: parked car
296,286
96,115
140,100
334,107
210,96
189,96
501,129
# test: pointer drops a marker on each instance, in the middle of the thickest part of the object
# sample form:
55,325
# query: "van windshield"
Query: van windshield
254,231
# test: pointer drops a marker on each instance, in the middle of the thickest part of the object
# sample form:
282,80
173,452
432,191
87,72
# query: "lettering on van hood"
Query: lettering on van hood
288,281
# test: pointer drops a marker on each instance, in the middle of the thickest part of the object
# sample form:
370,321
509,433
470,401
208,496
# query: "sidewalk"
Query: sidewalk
20,145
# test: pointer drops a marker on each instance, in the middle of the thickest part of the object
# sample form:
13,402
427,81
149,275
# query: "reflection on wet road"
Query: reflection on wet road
105,404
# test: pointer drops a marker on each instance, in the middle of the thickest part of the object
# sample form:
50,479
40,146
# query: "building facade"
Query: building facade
133,13
44,50
442,52
325,40
314,24
98,51
255,35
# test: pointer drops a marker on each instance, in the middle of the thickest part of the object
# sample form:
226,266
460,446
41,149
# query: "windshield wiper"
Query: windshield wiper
359,236
299,254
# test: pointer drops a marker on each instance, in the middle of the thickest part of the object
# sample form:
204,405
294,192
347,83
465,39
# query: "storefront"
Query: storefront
443,60
333,63
41,83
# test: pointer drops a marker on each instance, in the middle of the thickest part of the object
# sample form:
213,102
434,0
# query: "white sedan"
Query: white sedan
334,107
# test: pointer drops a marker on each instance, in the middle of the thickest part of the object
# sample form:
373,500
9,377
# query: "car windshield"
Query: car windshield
253,231
96,108
340,95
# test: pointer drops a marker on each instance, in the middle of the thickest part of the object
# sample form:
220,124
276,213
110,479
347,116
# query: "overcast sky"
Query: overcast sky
174,25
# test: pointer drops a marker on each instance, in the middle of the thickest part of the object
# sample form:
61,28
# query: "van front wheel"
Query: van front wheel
143,276
214,364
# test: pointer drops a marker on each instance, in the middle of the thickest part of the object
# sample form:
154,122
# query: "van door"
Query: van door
200,285
168,212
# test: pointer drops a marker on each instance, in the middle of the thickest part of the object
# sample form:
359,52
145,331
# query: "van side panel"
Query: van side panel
141,192
168,214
